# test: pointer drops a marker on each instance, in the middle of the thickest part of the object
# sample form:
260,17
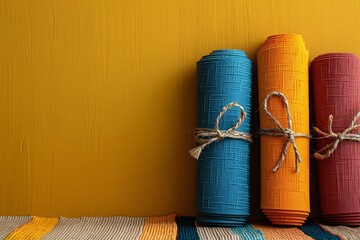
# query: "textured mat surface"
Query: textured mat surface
164,227
36,228
223,175
336,92
99,227
282,64
9,223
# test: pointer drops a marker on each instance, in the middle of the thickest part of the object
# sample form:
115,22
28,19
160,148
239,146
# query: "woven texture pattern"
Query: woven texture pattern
248,232
159,228
217,233
336,84
283,67
100,227
8,224
272,233
317,232
223,77
35,229
166,228
186,228
343,232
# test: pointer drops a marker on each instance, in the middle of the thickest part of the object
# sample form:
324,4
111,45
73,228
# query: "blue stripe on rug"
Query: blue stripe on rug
247,232
315,231
186,228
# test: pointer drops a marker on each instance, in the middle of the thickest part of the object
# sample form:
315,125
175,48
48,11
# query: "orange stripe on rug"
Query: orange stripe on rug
281,233
163,227
35,229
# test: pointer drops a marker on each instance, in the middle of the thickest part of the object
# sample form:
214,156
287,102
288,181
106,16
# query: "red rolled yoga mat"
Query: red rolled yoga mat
336,91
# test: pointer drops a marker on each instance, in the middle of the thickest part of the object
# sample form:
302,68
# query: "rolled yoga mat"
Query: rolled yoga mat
223,77
283,89
336,84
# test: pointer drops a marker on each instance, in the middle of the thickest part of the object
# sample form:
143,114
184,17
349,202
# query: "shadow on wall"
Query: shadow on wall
255,172
314,197
187,186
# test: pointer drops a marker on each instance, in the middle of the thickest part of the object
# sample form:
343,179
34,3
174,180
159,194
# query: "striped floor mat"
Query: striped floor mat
36,228
126,228
164,227
9,224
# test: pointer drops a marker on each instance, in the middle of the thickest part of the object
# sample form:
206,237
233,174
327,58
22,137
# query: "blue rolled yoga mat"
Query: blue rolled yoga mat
223,168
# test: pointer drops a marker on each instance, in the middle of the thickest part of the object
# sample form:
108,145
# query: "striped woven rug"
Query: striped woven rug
9,224
164,227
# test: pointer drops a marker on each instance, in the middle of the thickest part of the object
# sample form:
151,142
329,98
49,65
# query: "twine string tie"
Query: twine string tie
279,131
206,136
330,148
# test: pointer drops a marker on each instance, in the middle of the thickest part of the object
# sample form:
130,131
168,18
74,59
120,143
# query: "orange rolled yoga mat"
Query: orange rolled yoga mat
283,77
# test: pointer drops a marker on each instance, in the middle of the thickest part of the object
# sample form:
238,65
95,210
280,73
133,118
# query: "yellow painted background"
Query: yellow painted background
97,97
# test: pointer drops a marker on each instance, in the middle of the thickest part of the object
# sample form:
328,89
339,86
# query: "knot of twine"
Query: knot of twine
206,136
282,131
329,149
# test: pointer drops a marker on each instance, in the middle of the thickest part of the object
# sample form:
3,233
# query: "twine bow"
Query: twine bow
329,149
206,136
282,131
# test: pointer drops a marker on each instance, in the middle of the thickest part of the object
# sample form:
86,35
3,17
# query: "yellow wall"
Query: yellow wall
97,97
